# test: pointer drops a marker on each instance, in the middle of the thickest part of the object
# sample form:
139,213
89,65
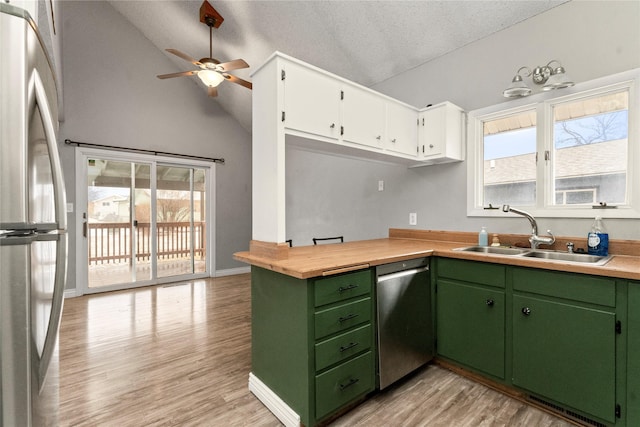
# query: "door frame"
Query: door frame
82,154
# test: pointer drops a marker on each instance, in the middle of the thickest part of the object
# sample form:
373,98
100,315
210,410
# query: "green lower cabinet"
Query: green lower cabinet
471,326
312,341
633,356
566,353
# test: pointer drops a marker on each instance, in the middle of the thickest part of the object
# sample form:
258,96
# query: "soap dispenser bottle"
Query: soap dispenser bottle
483,237
598,239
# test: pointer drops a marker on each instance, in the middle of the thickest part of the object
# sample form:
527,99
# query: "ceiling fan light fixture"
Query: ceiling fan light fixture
210,78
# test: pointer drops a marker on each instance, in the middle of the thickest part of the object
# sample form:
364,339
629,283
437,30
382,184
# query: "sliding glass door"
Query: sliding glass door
144,222
180,225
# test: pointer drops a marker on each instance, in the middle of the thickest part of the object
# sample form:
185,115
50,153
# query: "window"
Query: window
559,156
590,149
509,166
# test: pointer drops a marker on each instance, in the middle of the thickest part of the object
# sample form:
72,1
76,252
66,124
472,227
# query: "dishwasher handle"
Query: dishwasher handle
402,273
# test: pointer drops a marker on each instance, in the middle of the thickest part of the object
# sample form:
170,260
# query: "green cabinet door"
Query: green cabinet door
470,326
633,358
565,353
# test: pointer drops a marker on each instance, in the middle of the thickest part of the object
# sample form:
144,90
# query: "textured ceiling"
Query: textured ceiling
363,41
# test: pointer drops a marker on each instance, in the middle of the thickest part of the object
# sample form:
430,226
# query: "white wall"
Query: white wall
591,39
112,97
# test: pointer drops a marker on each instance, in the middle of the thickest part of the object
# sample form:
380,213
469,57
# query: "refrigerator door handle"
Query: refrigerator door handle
56,309
39,96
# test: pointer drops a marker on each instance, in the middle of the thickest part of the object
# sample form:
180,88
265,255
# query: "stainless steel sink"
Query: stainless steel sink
547,255
493,250
570,257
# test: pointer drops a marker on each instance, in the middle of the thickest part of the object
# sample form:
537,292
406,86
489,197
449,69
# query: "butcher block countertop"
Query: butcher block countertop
305,262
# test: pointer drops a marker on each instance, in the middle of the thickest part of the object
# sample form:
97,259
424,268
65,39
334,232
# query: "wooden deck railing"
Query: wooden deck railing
112,242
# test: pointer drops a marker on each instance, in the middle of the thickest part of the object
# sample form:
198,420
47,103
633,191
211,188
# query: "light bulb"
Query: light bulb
210,78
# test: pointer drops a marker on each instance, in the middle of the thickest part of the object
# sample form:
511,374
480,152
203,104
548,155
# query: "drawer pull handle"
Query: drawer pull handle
526,311
348,346
351,382
490,302
348,317
348,288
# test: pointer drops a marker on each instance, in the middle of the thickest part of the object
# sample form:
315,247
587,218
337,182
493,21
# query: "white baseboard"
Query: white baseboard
285,414
70,293
232,271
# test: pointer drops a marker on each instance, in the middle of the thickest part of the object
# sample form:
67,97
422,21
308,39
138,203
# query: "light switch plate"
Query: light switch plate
413,218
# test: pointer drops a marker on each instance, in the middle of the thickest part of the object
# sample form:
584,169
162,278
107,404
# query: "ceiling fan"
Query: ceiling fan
211,71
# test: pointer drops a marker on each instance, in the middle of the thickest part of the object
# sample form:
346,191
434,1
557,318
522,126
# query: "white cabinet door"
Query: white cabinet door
441,135
311,101
402,129
362,117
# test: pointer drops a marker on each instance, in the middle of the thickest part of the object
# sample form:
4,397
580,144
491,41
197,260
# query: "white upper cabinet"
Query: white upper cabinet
402,129
311,101
325,112
441,133
362,117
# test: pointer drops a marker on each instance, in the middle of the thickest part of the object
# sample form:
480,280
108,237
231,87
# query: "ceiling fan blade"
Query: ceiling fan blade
212,91
184,56
236,64
180,74
238,80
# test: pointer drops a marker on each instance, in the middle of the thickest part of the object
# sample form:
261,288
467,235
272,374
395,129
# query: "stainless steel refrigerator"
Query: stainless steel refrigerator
33,239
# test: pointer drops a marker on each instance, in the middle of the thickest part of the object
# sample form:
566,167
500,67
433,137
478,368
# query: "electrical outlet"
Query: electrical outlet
380,185
413,218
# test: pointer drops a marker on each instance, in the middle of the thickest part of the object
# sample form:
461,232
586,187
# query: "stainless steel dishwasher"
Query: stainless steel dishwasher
405,329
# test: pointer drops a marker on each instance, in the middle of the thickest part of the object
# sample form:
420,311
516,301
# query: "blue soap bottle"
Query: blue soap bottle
483,237
598,239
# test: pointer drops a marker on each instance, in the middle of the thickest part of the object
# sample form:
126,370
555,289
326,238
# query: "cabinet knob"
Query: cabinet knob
526,311
430,145
490,302
332,125
378,137
393,140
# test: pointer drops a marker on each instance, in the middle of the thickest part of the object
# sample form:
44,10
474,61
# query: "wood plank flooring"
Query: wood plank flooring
179,355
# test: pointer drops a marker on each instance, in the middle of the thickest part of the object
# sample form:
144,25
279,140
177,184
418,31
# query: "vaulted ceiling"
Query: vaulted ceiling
363,41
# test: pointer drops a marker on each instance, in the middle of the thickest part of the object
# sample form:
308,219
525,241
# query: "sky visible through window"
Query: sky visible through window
567,133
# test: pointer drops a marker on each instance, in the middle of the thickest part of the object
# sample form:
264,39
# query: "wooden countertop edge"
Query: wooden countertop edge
305,262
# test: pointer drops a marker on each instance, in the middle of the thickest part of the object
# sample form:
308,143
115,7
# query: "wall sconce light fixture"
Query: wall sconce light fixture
546,75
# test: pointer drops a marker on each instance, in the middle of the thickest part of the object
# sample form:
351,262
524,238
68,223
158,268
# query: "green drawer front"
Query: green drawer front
343,346
342,287
342,384
342,317
471,271
577,287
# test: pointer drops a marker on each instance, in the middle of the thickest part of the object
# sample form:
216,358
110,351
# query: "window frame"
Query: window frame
543,104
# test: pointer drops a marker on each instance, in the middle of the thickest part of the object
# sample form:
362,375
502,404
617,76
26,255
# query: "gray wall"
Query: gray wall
591,39
112,97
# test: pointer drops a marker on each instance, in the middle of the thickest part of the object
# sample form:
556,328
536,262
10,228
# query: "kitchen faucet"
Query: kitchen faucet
534,239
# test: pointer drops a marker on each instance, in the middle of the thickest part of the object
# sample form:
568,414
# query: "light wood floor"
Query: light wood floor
180,355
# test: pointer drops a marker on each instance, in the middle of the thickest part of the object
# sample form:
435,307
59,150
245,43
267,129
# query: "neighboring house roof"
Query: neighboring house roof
580,160
111,198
